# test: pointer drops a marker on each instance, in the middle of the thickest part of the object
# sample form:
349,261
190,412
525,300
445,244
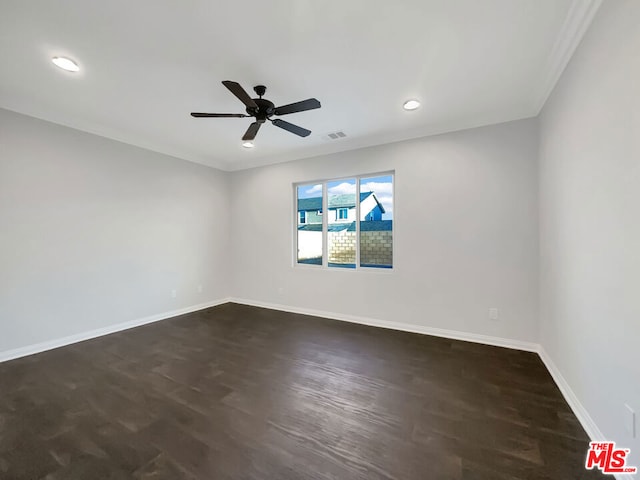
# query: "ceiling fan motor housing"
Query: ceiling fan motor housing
264,111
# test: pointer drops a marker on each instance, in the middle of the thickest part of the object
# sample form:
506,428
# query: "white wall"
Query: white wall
590,221
94,232
465,239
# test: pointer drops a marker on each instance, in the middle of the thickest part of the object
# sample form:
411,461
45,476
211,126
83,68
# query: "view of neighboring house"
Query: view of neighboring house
342,208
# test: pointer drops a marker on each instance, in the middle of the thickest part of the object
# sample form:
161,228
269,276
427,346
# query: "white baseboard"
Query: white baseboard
404,327
595,434
79,337
581,413
578,409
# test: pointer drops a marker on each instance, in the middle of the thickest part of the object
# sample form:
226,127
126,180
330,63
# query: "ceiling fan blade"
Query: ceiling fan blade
290,127
309,104
251,132
238,91
218,115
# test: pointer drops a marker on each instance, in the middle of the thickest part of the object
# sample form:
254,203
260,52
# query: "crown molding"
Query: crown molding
578,19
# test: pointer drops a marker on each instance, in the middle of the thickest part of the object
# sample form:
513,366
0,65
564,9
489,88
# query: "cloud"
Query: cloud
315,189
344,187
379,188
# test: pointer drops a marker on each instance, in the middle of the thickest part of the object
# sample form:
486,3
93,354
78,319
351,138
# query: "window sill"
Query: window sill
368,270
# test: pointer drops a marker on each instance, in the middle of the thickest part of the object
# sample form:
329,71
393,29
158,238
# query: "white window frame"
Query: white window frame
325,224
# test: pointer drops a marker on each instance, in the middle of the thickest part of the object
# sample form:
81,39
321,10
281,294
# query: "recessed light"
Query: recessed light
248,144
411,104
65,64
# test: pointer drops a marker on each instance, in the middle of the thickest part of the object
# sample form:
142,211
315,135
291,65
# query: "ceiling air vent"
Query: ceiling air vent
335,135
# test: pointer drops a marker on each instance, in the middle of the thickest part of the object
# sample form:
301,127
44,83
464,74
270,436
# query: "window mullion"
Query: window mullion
325,227
296,219
357,223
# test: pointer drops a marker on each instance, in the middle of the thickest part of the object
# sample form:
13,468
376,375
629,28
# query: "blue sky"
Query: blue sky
382,186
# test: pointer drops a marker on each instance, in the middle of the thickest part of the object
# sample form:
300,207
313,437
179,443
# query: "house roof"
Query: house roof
365,226
346,200
314,203
375,226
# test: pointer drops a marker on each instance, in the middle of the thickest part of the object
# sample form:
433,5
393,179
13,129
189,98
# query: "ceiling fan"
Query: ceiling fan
262,110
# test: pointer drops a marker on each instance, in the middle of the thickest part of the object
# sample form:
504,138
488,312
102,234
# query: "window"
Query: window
356,233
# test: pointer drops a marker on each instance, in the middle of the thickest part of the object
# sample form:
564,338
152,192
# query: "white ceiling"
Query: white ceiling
146,64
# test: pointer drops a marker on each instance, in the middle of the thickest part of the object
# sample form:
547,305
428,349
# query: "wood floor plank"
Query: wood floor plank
238,392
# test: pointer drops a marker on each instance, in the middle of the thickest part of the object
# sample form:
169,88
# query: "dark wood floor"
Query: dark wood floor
237,392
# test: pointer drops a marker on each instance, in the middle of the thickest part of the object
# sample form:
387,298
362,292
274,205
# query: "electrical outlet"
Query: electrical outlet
493,313
630,420
200,288
174,294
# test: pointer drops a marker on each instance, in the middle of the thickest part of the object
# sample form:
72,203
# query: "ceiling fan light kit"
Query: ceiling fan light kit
262,110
